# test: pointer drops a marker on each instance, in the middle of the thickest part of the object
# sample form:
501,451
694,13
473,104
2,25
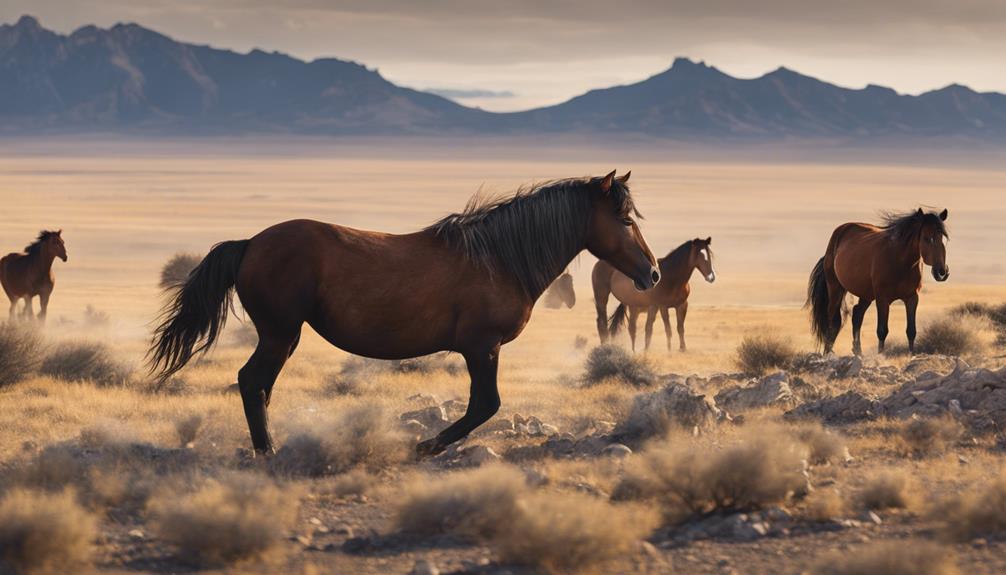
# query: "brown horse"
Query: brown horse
675,272
876,263
561,292
465,284
29,274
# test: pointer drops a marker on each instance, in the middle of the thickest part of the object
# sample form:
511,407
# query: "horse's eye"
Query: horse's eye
627,222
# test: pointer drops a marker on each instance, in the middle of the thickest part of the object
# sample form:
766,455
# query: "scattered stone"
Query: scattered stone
870,517
655,413
137,534
772,390
478,455
849,407
413,428
424,567
424,399
617,451
433,418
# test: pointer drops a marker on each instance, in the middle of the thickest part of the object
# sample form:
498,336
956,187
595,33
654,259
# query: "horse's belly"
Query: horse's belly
854,274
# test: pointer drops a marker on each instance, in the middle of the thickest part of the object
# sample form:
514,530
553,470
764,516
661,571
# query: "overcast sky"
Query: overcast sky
542,52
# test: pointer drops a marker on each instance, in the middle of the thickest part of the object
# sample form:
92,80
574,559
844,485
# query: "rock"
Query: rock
454,408
424,567
433,418
549,430
414,428
848,407
772,390
535,478
655,413
478,455
871,518
137,534
424,399
617,451
497,425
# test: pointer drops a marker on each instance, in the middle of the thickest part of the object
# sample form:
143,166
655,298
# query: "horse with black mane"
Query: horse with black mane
876,263
465,284
561,292
29,274
676,269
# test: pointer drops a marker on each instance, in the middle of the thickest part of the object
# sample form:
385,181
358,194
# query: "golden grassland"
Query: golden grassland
125,214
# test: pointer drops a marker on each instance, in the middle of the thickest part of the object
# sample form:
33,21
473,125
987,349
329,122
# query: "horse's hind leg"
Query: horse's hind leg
651,316
665,317
483,402
27,313
256,379
602,289
633,317
858,312
883,313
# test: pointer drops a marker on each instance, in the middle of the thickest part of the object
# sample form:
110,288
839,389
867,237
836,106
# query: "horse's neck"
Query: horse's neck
41,264
908,253
677,275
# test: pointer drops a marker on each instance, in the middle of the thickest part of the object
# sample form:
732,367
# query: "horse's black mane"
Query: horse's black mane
906,225
35,247
532,234
679,256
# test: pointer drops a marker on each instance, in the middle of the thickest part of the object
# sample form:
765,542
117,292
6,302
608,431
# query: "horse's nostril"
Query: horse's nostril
655,275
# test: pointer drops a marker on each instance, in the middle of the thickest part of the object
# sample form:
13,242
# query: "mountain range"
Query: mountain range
128,78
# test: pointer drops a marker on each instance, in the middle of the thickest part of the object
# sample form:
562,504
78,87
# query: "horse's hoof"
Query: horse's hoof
428,448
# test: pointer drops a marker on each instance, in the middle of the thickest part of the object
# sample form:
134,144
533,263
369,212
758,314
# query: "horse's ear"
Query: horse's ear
625,178
607,181
709,241
59,232
920,212
944,214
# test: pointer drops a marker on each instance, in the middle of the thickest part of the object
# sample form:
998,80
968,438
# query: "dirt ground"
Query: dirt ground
125,210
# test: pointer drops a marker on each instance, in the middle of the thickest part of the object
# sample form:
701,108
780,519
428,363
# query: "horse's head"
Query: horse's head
702,258
52,243
933,243
612,233
563,289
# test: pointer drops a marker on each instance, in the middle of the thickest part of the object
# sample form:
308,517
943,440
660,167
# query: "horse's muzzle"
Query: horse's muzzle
64,258
653,280
941,275
711,277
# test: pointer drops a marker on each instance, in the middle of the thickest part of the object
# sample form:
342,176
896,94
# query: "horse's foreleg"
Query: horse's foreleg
858,313
255,380
665,317
682,311
28,313
883,313
13,309
483,402
911,307
43,302
651,316
602,290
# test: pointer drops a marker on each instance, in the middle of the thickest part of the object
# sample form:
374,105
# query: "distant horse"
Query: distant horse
29,274
876,263
561,293
465,284
675,272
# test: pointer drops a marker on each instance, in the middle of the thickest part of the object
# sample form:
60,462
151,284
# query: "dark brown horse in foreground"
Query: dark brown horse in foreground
876,263
29,274
675,271
561,292
465,284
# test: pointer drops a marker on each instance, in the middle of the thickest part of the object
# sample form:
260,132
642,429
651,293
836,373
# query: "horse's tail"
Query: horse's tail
191,322
817,301
617,320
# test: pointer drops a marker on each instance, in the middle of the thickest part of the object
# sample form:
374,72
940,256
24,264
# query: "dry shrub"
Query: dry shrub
236,517
760,353
20,352
85,361
187,428
44,533
958,335
177,269
825,505
994,313
476,503
570,533
930,436
889,558
891,489
361,436
976,513
823,446
96,318
354,483
689,479
612,362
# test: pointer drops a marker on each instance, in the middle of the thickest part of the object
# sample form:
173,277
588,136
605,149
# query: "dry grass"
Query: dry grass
823,446
362,436
825,505
477,504
957,335
890,489
354,483
612,362
237,517
571,533
980,512
44,533
177,269
931,436
889,558
760,353
187,428
20,352
85,361
692,479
